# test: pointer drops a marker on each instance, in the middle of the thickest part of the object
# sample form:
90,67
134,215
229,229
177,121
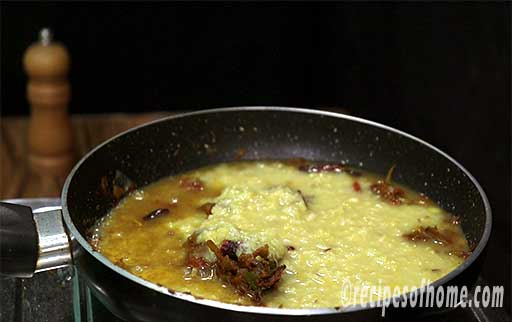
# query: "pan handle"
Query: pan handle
32,242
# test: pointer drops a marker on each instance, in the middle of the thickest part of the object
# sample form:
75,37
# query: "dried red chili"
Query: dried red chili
392,195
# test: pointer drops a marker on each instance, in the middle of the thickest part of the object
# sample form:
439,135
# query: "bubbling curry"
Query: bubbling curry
287,234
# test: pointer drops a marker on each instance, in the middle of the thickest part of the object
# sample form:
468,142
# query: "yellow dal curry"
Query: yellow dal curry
281,234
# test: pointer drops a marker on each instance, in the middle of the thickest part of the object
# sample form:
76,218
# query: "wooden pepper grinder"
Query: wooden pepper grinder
50,136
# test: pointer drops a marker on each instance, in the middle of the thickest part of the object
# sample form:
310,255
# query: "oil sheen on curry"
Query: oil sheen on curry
280,234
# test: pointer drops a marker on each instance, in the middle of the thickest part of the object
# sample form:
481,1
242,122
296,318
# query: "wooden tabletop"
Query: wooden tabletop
17,181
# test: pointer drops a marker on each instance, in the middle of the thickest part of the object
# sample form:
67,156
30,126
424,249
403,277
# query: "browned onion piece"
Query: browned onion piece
155,214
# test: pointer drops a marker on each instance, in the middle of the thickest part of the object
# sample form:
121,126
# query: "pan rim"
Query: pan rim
266,310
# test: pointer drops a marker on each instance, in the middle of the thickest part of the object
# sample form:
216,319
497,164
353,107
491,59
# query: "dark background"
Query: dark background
440,71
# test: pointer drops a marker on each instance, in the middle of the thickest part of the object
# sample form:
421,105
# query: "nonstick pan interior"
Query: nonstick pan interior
182,143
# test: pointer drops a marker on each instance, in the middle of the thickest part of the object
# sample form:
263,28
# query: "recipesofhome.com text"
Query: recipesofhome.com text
426,296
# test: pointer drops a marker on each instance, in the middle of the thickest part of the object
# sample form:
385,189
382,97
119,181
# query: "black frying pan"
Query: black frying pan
184,142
